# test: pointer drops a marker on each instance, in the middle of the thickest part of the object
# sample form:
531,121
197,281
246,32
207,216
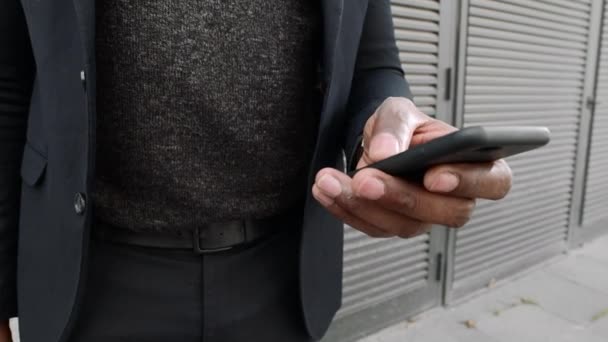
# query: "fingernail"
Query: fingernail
445,182
383,146
330,186
371,188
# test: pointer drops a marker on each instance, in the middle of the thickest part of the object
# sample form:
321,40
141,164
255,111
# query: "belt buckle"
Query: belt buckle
196,237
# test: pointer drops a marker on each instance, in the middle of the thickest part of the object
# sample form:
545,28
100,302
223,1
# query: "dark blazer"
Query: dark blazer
47,145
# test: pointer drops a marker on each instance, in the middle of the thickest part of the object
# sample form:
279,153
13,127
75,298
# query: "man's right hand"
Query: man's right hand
5,332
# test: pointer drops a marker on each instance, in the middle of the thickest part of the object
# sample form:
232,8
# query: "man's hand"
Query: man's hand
5,332
381,205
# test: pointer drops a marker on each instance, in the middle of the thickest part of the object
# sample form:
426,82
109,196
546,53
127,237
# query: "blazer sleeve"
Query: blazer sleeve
16,78
378,73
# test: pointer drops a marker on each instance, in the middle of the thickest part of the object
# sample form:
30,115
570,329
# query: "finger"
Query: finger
346,217
471,180
362,212
331,184
385,219
412,200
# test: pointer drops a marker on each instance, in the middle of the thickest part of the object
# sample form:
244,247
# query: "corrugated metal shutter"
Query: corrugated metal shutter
596,189
417,34
525,65
378,270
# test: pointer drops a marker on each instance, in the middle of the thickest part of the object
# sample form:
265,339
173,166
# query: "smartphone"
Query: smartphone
468,145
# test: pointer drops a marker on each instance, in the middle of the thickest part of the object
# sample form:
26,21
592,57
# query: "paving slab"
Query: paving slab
561,301
585,270
529,323
560,295
441,328
486,304
563,297
596,249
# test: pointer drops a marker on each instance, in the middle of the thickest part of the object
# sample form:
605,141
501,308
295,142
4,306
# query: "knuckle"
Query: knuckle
460,219
408,201
399,105
393,101
462,215
350,203
468,206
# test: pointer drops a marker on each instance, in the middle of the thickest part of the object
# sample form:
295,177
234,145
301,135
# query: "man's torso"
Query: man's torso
206,111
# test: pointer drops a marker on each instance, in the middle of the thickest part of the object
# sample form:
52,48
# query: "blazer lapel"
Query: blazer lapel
85,14
332,23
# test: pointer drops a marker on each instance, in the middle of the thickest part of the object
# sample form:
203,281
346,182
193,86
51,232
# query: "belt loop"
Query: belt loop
196,240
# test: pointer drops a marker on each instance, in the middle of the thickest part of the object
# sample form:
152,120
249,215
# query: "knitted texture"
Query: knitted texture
204,110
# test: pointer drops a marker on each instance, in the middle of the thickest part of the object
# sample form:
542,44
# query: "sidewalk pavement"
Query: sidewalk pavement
564,300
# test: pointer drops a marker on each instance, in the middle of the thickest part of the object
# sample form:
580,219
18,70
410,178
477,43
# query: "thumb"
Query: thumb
384,145
390,135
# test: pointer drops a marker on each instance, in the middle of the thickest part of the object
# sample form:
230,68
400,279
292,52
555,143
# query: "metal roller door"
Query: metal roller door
417,34
595,212
523,63
386,280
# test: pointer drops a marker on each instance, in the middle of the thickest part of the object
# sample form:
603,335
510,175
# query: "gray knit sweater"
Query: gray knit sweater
203,109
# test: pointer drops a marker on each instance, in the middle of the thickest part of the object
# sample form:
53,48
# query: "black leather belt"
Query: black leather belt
210,238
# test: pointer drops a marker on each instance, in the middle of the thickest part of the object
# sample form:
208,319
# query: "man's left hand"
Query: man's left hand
381,205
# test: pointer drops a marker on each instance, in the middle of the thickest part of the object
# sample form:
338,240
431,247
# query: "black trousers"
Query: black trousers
153,295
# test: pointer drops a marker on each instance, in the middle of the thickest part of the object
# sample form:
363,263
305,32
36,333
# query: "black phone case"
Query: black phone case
472,144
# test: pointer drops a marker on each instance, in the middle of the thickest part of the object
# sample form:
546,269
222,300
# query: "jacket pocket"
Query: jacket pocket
32,165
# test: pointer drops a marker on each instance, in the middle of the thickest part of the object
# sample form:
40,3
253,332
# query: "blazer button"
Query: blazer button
83,79
80,203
